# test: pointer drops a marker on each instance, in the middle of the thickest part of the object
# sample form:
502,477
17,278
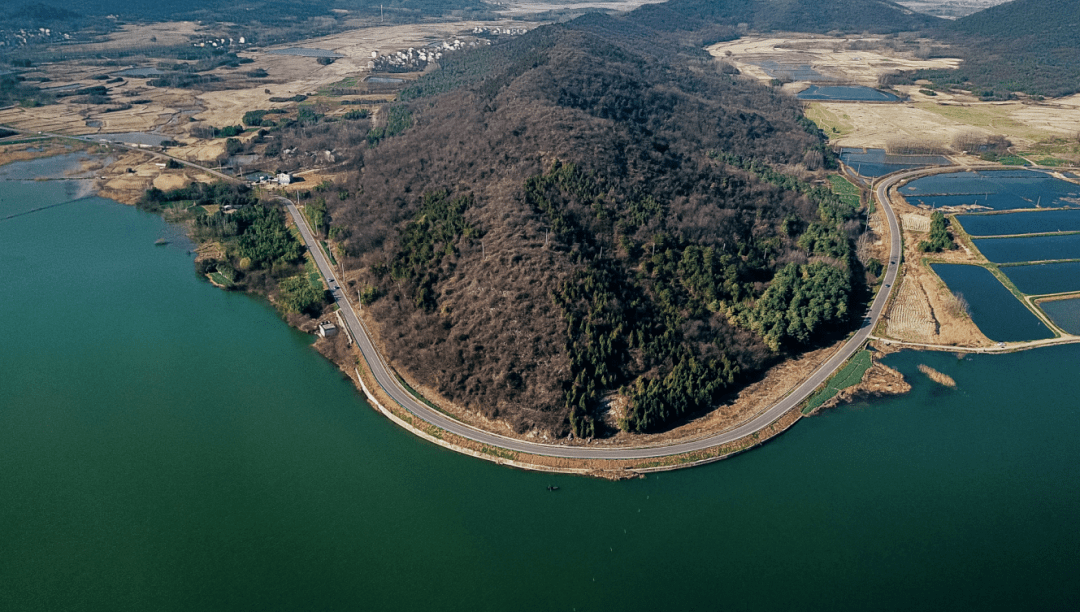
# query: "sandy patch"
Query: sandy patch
938,377
831,57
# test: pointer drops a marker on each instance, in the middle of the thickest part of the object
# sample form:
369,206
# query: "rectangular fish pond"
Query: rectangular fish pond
994,309
142,72
1035,222
1034,248
876,162
1041,279
993,189
845,93
795,72
1065,313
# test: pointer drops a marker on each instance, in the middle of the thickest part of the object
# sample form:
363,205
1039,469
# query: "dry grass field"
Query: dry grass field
832,57
170,110
1048,128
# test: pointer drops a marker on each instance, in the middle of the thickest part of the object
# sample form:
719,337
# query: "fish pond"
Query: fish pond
994,309
845,93
1033,222
1041,279
876,162
1034,248
794,72
141,72
993,189
1065,313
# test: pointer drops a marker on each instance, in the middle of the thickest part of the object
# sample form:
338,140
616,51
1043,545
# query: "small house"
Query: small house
326,329
284,178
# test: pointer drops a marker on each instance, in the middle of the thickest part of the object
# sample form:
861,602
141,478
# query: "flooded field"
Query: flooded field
1040,222
139,72
136,138
1045,278
993,307
795,72
876,162
1037,248
995,189
851,93
1065,313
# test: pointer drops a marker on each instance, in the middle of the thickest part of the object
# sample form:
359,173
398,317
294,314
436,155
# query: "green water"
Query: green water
165,445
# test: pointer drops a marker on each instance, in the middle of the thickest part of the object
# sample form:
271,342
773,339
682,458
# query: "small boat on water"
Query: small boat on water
161,241
553,488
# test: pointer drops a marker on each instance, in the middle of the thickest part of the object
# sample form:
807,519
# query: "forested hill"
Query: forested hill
1030,46
818,16
275,12
1041,23
581,214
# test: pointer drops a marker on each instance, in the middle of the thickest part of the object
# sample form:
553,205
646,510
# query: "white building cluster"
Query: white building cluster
500,31
220,42
24,37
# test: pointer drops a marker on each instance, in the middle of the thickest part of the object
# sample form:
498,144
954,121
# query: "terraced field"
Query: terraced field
912,318
916,223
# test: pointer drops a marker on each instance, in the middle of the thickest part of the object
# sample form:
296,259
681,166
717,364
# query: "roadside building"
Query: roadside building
326,329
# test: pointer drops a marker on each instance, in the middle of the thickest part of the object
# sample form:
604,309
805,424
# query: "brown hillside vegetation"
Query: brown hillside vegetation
564,217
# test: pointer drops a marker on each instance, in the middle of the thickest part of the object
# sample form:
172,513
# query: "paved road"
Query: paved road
393,388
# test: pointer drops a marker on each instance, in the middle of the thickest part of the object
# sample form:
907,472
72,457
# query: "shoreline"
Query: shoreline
615,469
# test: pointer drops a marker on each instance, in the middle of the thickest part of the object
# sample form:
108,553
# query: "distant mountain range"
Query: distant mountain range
1029,46
875,16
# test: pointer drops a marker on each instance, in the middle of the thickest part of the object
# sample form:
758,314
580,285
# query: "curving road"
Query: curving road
394,389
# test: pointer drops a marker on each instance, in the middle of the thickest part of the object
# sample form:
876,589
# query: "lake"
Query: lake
845,93
169,446
994,309
1035,248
